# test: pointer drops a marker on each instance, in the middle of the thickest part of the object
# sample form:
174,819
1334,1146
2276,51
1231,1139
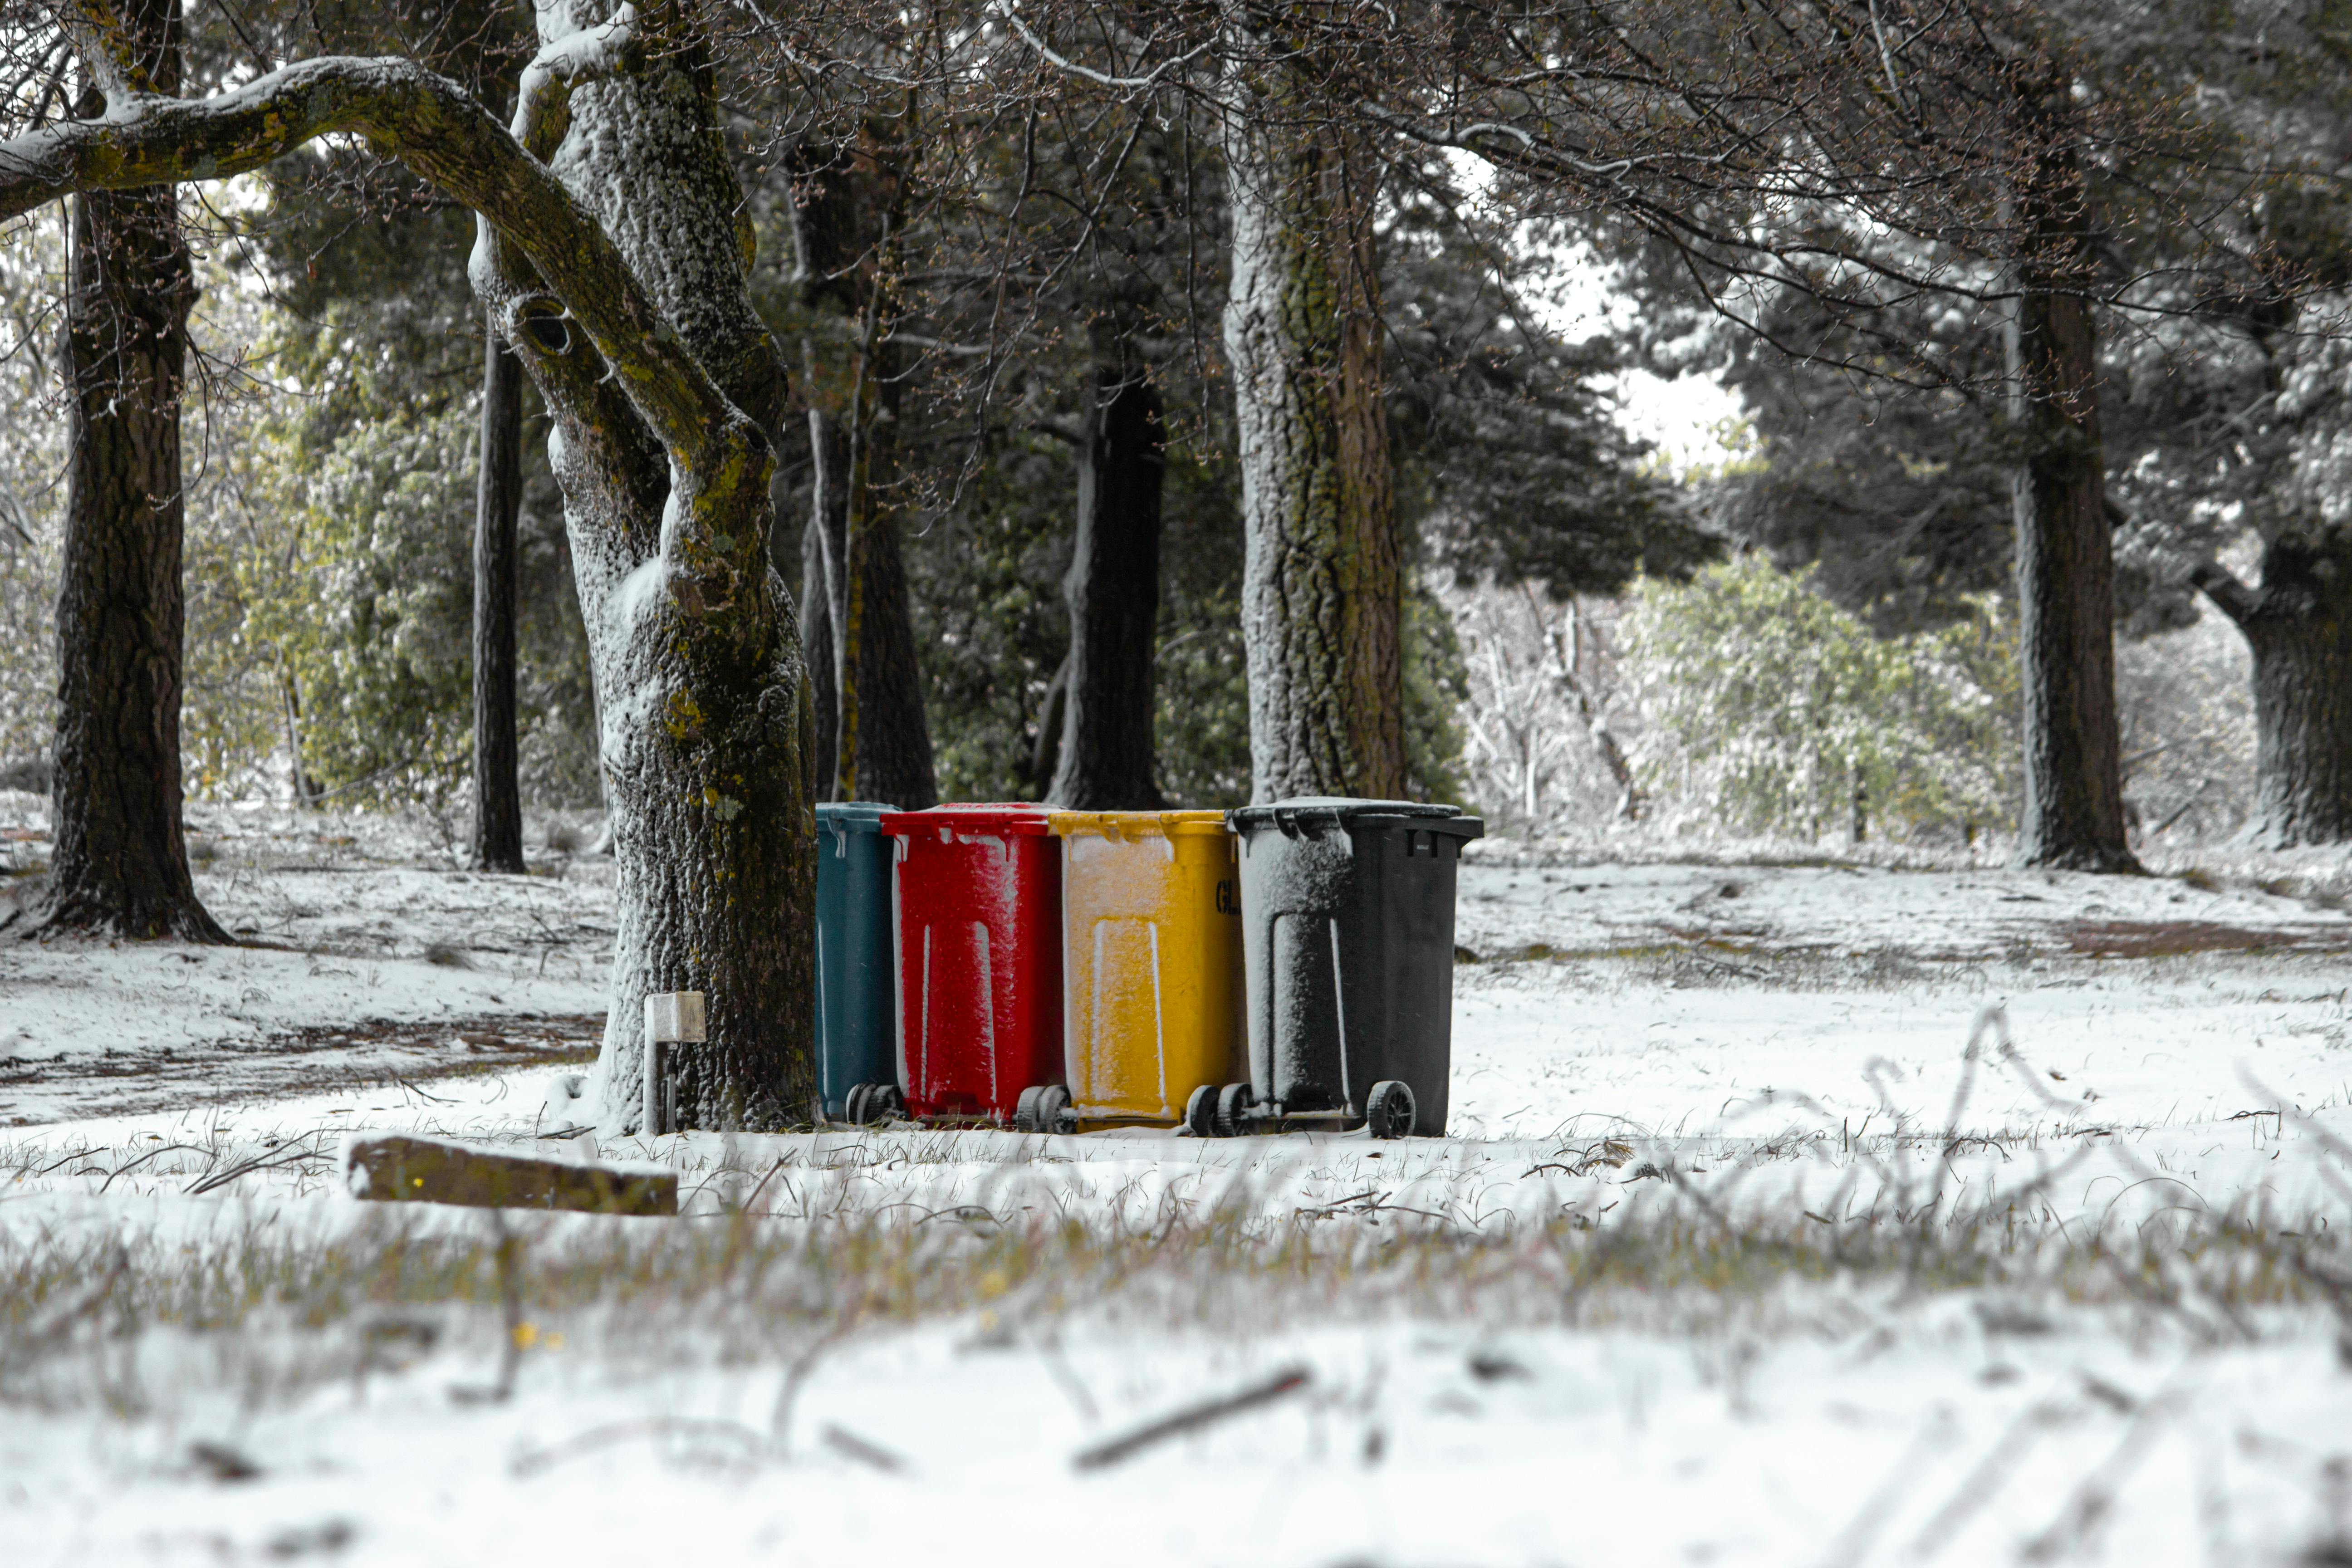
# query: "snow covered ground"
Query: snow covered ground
1796,1214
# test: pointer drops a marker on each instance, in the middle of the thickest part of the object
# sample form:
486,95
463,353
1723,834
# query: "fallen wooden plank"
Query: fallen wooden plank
390,1169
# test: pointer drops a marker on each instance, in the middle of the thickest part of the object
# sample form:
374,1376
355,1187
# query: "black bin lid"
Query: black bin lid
1347,812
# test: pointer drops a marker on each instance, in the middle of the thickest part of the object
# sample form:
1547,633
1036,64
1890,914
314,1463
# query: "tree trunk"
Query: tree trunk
1113,588
2299,627
497,794
823,649
2074,817
1321,581
120,862
705,731
875,732
891,760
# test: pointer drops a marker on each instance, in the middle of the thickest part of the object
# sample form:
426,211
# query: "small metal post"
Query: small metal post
672,1017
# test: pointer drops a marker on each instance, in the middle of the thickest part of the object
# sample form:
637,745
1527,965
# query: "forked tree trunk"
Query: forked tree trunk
705,731
498,792
854,582
120,861
1113,588
2299,627
2073,816
1321,581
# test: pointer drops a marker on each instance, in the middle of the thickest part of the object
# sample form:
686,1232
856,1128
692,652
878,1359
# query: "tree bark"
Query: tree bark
706,729
875,731
497,794
120,861
2073,816
1322,583
1113,589
2299,627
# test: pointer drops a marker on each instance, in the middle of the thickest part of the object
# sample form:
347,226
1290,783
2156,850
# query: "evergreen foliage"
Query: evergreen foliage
1776,711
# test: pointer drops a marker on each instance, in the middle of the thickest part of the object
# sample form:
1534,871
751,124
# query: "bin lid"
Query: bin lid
852,815
1129,823
1343,809
1013,816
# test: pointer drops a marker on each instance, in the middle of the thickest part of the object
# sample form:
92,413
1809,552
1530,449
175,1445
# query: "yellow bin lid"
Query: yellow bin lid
1136,824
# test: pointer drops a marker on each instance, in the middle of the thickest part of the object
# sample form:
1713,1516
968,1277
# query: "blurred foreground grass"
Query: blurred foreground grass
273,1317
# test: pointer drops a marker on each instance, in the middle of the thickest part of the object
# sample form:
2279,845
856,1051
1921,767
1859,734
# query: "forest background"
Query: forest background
1598,636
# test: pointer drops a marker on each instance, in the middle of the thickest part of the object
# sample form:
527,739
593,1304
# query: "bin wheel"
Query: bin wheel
1233,1104
1389,1110
1200,1111
871,1104
1041,1107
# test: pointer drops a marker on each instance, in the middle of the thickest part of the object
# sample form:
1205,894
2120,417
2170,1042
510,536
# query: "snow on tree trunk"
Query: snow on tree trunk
2299,627
1113,589
1321,584
2073,816
120,864
498,795
705,731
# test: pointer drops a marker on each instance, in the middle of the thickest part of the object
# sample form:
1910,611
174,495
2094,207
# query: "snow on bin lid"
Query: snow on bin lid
1011,816
853,815
1129,824
1341,808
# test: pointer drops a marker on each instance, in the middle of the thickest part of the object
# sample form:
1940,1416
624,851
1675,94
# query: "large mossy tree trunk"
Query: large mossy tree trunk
2298,625
1322,581
857,604
498,502
706,738
2073,814
120,861
1106,761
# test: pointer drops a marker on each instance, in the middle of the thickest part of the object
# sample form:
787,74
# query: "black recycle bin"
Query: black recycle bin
1348,931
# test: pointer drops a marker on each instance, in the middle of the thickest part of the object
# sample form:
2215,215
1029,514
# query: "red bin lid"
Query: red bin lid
998,818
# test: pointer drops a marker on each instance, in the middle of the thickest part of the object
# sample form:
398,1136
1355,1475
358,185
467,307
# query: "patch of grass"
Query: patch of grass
739,1288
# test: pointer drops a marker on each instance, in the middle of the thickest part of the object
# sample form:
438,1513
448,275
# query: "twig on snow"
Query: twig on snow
1193,1418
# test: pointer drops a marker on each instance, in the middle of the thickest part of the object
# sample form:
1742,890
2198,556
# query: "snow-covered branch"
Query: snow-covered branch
440,132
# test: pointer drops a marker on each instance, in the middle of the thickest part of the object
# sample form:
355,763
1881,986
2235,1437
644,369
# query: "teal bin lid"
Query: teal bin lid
852,815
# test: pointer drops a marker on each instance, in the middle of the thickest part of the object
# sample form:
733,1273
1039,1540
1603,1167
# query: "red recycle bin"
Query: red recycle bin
979,904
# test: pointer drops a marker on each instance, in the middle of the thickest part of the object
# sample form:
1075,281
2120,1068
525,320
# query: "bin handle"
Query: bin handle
1291,821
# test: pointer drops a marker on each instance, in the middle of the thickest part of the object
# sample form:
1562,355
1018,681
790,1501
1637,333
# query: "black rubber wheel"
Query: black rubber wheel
1389,1110
1233,1104
1054,1109
885,1104
1025,1110
853,1104
1200,1111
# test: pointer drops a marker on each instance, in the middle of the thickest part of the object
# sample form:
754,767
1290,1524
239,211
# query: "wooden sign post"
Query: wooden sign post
672,1017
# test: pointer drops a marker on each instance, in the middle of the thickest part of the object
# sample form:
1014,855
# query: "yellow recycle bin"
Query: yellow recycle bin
1151,962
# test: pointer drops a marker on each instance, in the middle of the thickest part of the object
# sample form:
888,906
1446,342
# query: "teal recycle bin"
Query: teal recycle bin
856,1021
1348,938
